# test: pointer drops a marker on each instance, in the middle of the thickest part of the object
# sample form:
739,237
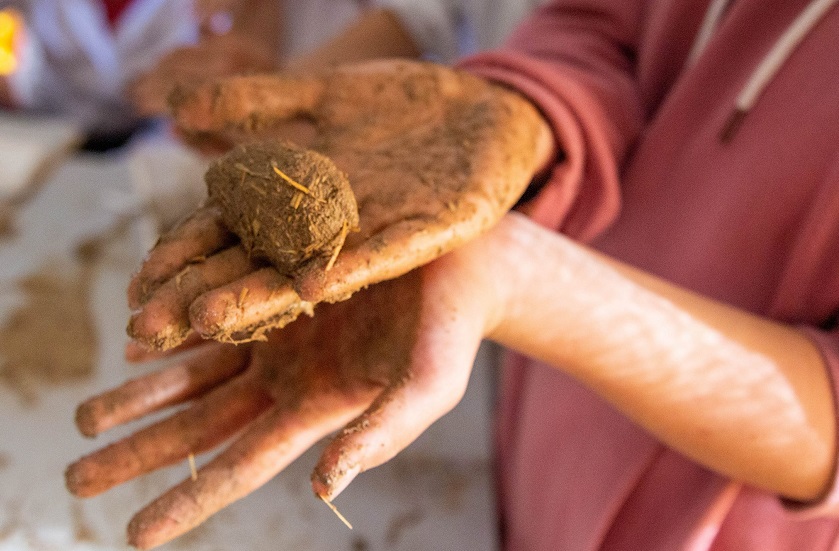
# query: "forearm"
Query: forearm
743,395
375,35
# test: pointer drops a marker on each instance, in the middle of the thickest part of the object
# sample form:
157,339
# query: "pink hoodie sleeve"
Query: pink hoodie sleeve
574,60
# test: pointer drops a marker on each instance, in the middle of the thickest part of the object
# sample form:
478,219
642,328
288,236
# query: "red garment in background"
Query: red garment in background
114,9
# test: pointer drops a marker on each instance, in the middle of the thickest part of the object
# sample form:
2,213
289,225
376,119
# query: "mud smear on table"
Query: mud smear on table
7,220
49,340
82,530
93,248
13,522
14,525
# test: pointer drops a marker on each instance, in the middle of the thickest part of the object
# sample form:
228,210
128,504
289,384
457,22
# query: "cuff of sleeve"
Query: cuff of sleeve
581,196
828,504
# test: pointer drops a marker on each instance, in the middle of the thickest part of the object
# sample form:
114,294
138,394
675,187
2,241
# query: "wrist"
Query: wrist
503,265
475,277
550,293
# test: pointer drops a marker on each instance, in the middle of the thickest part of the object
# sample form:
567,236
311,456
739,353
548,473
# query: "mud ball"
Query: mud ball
287,204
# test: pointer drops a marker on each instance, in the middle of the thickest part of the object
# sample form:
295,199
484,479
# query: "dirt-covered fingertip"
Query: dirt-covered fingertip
330,478
80,477
141,532
165,518
149,327
87,418
137,535
213,313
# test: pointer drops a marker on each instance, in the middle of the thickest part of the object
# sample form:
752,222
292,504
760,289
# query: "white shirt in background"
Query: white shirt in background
76,65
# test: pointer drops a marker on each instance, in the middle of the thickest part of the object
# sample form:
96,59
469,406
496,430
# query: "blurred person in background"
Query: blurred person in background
354,30
74,58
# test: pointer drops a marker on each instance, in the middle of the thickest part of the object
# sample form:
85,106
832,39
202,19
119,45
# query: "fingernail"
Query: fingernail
334,483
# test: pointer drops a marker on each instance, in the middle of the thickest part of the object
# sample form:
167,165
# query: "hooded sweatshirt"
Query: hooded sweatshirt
654,173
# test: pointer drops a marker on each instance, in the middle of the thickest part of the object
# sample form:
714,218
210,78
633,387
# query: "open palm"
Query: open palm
434,157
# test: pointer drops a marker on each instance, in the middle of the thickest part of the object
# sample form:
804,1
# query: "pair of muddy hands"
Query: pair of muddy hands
434,158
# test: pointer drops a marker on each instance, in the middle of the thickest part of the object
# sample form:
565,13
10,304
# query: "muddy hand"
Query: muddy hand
199,261
434,157
383,365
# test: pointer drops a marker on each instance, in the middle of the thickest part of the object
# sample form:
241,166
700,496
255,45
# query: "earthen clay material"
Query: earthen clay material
51,338
7,219
287,204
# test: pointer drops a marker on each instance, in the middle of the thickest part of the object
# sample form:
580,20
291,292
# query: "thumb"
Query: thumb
434,384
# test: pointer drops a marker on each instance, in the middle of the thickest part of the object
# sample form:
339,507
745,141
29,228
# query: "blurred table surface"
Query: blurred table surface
436,495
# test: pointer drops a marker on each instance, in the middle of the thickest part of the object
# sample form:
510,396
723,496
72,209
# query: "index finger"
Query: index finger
246,102
197,237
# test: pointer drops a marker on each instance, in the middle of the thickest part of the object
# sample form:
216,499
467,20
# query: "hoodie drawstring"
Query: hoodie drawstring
771,63
712,20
